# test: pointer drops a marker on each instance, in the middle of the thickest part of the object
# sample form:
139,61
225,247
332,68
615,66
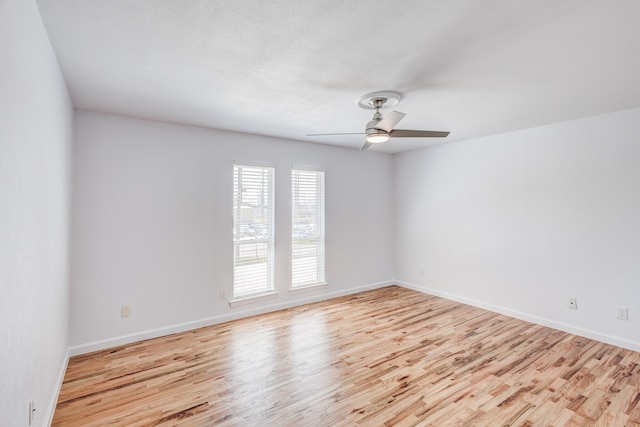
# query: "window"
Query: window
253,236
307,228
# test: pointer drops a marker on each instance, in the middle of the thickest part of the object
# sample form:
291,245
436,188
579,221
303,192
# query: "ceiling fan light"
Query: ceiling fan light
377,138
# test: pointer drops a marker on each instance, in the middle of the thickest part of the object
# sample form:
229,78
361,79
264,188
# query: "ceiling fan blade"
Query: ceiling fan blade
366,145
329,134
390,120
404,133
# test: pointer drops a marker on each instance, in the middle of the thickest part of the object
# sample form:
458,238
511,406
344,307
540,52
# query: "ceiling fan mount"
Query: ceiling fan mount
380,129
386,99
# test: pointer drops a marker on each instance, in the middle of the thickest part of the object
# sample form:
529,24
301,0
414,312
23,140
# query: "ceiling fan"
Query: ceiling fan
381,129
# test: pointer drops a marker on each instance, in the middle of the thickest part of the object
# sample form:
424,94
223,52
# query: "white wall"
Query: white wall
521,222
35,147
153,224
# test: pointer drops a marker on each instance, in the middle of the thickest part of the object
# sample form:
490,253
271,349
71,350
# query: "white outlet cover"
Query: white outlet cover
622,313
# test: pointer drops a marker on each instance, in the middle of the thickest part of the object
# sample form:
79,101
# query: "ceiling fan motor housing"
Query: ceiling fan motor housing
371,126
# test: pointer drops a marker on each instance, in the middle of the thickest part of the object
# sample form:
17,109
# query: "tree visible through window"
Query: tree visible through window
307,231
253,230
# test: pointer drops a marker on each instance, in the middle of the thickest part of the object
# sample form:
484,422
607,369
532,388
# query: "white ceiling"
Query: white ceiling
287,68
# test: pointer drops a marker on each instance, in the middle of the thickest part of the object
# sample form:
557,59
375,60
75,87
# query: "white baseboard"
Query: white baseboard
182,327
587,333
48,416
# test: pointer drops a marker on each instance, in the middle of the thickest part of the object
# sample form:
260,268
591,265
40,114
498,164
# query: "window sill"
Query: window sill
308,288
237,302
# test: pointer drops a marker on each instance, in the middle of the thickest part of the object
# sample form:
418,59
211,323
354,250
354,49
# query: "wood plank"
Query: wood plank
391,356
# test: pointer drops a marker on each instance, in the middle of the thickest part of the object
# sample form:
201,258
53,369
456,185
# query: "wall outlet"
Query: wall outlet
572,304
223,295
32,411
622,313
125,311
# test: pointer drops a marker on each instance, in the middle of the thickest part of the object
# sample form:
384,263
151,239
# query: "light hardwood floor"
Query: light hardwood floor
385,357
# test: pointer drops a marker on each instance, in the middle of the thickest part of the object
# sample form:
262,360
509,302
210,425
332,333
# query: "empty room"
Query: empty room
319,213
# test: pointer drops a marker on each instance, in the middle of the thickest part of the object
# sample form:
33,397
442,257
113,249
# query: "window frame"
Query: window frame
247,233
317,230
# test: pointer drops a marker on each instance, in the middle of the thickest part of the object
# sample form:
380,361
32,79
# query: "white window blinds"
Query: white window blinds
307,231
253,230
